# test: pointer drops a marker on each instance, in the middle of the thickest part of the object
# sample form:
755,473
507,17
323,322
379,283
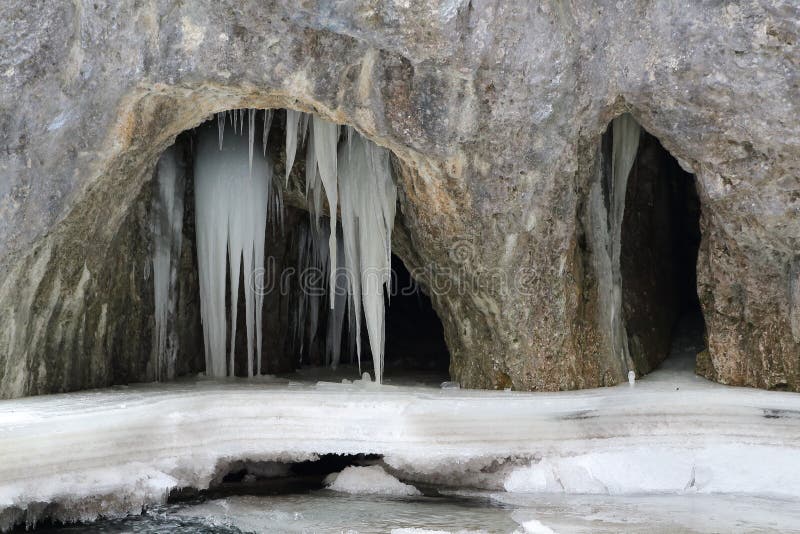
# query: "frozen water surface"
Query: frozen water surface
326,512
706,457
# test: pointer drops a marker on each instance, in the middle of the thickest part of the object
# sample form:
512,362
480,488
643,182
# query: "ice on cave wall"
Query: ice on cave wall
167,232
625,143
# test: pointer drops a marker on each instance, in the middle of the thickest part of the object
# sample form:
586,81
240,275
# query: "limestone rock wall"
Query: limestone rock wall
494,111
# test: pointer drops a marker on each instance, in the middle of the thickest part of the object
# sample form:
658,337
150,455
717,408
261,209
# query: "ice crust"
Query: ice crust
167,236
113,450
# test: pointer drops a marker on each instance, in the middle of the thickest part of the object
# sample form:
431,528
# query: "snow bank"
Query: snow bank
536,527
370,480
738,468
114,450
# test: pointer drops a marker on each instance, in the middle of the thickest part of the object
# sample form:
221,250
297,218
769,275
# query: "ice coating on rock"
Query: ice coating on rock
625,143
167,238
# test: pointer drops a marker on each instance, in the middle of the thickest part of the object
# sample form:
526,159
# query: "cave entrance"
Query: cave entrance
270,197
660,239
415,345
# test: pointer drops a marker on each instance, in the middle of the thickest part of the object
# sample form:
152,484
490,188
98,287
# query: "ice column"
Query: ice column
292,123
232,194
368,198
625,143
167,234
326,138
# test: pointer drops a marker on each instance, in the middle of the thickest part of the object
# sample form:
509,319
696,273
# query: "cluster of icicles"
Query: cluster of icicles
236,196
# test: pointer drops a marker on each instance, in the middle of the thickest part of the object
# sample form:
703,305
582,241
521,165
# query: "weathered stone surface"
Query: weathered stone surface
495,113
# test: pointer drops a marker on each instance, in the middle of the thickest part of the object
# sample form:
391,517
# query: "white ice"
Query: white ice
167,238
368,480
232,195
673,433
368,200
484,512
625,144
292,124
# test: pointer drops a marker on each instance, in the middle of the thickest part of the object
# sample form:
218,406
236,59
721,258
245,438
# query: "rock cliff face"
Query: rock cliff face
495,114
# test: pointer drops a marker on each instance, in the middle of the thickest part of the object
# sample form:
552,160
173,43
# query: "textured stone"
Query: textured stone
495,114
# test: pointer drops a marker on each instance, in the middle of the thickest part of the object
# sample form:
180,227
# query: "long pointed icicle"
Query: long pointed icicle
368,196
211,223
625,144
167,228
231,213
251,132
326,138
221,127
265,133
340,290
292,120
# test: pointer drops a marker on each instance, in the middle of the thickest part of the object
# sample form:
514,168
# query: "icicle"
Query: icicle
349,132
167,237
292,119
267,124
340,290
625,143
304,124
326,138
251,128
368,197
231,213
221,127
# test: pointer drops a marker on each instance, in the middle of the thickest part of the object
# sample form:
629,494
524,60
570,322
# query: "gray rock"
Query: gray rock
495,112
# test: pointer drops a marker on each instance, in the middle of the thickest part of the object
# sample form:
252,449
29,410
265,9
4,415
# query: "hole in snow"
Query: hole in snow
274,478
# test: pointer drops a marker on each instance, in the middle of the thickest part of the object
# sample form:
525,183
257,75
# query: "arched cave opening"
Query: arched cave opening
296,333
660,239
415,345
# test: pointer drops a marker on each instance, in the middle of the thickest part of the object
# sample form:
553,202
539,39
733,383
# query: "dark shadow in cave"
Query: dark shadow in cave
414,334
658,260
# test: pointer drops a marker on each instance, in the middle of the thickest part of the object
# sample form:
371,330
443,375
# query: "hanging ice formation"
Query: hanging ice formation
625,143
313,261
167,233
357,174
233,197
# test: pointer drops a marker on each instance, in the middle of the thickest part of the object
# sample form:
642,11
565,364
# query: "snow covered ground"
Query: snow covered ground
110,451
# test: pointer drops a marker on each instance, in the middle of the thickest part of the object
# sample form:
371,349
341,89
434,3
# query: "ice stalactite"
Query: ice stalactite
313,263
292,124
368,199
340,291
167,237
232,197
235,196
251,132
625,143
265,132
326,138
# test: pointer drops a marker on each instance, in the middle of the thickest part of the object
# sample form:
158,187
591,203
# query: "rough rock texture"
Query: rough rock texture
495,113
